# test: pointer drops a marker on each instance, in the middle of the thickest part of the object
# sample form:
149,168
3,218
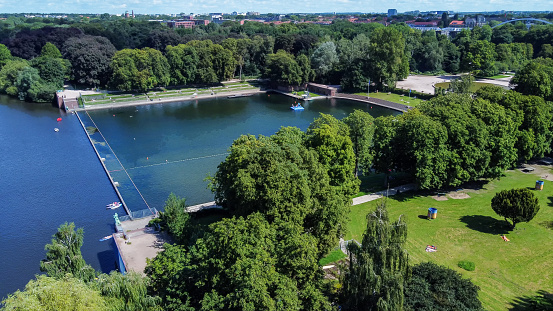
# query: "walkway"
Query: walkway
375,101
167,100
383,193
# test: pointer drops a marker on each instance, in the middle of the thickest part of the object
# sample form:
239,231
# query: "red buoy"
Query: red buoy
59,119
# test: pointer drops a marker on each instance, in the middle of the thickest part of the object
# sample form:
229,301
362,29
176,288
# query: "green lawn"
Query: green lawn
405,100
334,256
468,229
475,85
311,94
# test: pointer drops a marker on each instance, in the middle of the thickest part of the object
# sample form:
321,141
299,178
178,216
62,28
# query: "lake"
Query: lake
51,177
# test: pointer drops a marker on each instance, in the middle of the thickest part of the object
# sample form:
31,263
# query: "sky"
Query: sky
266,6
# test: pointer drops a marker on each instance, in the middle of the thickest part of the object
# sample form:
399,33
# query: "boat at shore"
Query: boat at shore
240,95
113,205
107,237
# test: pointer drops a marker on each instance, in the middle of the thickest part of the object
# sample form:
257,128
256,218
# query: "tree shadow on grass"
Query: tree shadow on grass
542,301
486,224
550,203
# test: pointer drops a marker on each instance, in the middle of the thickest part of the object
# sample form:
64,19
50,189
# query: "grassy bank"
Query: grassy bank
468,229
404,100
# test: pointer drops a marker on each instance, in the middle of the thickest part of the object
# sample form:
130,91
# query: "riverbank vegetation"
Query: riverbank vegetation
137,55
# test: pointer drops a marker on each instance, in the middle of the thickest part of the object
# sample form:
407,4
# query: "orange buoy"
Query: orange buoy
147,158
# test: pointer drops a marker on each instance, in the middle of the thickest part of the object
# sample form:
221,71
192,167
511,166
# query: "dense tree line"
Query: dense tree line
458,138
139,55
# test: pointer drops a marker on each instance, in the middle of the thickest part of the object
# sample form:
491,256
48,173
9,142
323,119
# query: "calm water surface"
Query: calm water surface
50,177
47,178
173,147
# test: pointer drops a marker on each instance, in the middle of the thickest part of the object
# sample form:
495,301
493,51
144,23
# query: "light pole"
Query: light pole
368,88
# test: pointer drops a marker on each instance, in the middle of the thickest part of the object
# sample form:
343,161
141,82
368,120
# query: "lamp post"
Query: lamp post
368,88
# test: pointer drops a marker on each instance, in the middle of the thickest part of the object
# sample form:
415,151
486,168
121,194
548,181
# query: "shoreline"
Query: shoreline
168,100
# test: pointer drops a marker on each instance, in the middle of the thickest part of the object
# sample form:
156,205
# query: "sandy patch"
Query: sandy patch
439,197
458,195
542,171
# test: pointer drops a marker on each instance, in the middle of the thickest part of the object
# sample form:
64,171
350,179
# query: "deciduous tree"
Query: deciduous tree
379,266
63,255
434,287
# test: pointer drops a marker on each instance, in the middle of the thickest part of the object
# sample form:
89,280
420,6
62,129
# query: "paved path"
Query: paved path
426,84
380,194
374,101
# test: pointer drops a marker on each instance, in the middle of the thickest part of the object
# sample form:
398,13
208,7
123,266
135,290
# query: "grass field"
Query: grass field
405,100
468,229
475,85
334,256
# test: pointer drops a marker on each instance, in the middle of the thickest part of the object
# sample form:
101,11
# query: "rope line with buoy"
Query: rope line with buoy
178,161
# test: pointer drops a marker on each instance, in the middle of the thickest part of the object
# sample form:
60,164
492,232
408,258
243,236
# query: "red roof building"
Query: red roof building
457,24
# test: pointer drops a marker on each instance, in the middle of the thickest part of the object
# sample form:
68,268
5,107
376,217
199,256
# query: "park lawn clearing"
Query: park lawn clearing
333,256
396,98
473,88
470,230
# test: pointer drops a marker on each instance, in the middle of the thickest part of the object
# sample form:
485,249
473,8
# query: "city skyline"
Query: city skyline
265,6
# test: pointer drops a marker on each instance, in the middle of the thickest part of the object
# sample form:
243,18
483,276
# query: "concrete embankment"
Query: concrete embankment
167,100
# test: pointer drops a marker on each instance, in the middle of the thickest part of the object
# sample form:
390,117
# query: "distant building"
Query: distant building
470,22
191,23
480,20
433,23
253,13
392,12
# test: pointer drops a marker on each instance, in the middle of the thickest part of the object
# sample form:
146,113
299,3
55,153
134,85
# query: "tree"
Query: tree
235,267
139,69
385,155
5,55
434,287
90,57
50,50
282,68
9,75
126,292
461,85
517,205
361,131
26,79
388,61
324,58
379,266
51,70
182,60
280,177
480,58
329,137
535,78
47,293
177,218
422,147
63,255
307,74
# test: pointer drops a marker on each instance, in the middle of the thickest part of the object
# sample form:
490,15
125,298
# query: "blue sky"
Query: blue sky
265,6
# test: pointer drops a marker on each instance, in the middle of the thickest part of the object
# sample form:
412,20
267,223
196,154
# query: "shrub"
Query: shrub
467,265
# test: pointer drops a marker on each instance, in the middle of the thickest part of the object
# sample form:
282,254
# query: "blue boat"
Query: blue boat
298,107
